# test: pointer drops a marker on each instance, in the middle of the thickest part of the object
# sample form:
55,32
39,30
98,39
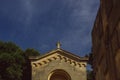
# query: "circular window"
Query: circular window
59,75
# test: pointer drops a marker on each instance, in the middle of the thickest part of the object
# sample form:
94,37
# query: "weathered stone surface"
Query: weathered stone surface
106,41
64,63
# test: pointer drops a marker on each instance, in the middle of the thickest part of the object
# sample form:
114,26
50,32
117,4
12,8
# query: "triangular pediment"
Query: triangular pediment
58,54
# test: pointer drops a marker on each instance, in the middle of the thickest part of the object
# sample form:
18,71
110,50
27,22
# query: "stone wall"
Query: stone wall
42,68
106,41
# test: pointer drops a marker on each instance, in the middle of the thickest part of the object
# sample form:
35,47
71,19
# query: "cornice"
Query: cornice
42,62
61,52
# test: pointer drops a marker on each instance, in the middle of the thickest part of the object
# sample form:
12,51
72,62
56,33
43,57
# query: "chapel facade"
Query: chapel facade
58,64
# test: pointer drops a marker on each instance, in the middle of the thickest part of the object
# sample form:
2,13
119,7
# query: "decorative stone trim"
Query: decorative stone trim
69,60
84,65
54,58
35,65
49,60
79,64
59,57
45,62
65,59
40,64
74,63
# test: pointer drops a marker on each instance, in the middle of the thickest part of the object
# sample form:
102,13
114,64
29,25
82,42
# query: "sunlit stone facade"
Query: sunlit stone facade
59,65
106,41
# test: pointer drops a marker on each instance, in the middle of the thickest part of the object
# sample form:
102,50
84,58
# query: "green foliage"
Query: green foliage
90,59
90,75
27,66
8,47
14,72
31,52
14,63
11,61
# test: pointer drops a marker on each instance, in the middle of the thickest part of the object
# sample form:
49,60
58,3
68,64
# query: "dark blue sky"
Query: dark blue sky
40,24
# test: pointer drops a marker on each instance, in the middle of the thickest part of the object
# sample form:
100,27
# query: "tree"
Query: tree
11,61
31,52
90,75
27,66
14,62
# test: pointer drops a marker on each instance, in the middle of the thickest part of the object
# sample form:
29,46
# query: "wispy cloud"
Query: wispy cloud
41,23
78,38
27,8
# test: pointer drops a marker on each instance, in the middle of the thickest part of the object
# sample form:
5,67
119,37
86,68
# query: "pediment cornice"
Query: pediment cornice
59,54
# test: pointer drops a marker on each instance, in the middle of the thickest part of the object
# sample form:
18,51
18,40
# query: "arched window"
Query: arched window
59,75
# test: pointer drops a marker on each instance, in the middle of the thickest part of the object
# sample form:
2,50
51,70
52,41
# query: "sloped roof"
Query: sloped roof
61,52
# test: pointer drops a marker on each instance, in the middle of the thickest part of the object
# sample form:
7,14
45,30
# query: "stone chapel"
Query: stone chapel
58,64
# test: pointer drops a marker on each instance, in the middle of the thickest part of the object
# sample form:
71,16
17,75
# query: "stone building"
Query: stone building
59,64
106,41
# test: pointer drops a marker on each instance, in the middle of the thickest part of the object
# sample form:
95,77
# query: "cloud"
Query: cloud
77,40
80,15
42,22
78,37
27,8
